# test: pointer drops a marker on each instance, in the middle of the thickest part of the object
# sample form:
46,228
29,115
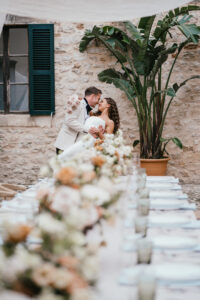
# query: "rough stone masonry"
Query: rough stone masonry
27,142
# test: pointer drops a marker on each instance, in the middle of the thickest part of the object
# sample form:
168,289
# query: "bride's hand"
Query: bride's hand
101,129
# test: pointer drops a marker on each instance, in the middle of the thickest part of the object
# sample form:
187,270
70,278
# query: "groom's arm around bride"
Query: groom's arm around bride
77,113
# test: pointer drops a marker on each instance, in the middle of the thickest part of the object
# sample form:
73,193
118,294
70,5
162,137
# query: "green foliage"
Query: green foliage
141,52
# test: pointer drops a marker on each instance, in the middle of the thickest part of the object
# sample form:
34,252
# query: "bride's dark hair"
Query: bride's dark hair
113,113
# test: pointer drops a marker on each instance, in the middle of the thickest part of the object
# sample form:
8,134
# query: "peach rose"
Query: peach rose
117,154
66,175
98,142
98,161
69,262
88,176
76,282
19,233
99,148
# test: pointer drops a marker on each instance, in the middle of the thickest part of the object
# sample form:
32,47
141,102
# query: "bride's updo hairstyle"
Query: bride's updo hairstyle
113,113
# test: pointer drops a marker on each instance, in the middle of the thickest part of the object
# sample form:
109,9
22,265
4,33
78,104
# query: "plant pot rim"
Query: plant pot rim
156,160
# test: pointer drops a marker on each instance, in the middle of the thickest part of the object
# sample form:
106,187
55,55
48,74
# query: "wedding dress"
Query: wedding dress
86,142
94,122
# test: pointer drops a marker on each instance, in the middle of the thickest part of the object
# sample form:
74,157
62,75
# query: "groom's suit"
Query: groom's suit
73,126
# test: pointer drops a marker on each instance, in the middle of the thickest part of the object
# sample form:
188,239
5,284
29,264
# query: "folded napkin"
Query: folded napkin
163,179
192,225
167,194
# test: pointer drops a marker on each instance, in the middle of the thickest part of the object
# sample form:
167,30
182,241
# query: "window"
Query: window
27,69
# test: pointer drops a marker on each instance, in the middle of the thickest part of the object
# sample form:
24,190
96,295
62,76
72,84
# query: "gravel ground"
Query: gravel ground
193,192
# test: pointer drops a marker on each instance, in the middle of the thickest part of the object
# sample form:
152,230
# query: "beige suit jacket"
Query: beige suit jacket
72,128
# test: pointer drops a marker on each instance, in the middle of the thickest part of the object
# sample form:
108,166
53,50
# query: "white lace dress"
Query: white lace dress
87,141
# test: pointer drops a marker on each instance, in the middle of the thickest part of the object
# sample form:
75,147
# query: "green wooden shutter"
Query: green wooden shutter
41,69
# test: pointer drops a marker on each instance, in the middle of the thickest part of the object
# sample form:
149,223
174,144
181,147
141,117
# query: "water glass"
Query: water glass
136,159
141,178
143,192
144,251
146,286
141,223
143,206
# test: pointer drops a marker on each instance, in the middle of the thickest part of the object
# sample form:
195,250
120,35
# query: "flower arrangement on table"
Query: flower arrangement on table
63,265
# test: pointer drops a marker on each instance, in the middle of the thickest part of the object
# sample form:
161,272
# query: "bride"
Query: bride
106,120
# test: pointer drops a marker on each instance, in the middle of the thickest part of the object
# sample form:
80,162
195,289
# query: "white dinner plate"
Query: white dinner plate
168,221
162,179
178,272
154,194
174,242
129,276
166,274
162,185
166,204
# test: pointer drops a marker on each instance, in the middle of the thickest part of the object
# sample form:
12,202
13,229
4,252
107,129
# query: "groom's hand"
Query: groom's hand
94,132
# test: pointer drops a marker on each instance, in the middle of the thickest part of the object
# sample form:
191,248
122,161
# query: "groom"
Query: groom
73,125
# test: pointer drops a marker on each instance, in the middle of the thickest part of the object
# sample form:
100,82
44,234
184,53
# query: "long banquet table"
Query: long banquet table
112,259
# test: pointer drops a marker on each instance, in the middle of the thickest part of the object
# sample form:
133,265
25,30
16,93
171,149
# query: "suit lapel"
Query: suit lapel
83,113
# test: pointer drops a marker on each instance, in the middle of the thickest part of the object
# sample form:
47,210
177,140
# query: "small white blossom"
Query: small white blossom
64,198
49,224
94,193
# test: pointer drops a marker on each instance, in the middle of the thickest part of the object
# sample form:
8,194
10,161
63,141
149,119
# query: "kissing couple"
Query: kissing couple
80,118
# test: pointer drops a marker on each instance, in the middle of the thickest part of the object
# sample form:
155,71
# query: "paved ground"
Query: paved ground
193,191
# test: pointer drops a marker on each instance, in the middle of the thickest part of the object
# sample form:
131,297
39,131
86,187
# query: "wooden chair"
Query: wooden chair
8,191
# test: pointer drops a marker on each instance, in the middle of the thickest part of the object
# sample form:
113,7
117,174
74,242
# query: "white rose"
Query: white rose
118,141
77,238
48,295
61,278
86,167
45,171
49,224
53,162
109,137
118,169
111,150
106,171
64,198
107,184
80,294
77,217
95,193
110,160
90,268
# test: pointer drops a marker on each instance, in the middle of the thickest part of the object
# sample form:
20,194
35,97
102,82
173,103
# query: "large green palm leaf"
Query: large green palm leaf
142,52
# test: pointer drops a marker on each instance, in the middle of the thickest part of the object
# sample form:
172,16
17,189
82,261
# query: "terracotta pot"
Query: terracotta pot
155,167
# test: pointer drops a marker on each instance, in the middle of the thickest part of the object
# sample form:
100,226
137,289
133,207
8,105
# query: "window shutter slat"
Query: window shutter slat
41,69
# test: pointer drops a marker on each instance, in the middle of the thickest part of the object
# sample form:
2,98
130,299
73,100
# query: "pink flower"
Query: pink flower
69,102
74,107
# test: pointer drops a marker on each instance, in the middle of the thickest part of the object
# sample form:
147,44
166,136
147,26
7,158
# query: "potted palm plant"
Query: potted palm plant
141,52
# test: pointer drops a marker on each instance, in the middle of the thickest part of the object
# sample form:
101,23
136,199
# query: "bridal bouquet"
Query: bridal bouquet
72,103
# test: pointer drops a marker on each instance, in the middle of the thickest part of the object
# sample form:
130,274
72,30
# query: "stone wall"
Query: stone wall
27,142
